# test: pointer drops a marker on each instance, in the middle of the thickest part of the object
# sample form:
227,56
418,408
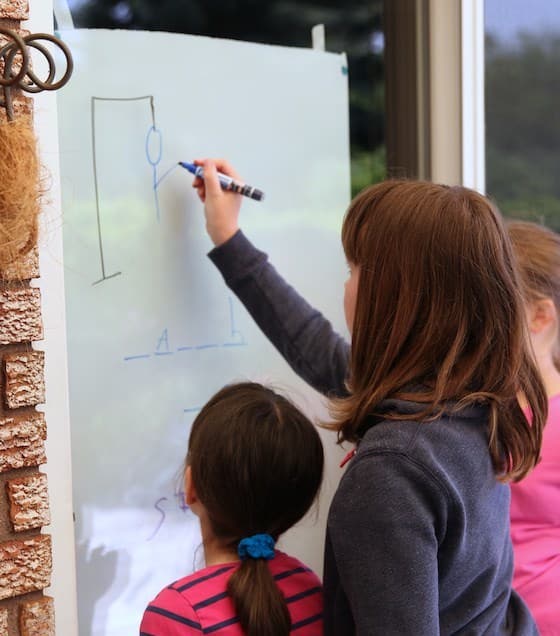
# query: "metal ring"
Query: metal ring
8,52
31,83
47,85
26,79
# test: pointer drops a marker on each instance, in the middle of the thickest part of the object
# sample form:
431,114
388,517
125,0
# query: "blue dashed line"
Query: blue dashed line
224,345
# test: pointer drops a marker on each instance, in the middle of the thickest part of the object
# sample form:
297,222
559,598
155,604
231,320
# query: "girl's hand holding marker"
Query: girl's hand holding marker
226,182
221,207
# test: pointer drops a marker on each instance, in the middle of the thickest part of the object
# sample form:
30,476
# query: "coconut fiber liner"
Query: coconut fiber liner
20,190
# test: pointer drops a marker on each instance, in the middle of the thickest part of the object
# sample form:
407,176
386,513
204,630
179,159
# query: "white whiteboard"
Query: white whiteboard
153,331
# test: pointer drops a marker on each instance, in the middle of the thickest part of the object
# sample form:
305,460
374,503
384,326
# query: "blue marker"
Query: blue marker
226,182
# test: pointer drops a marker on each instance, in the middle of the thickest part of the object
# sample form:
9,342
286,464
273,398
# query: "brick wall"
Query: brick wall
25,553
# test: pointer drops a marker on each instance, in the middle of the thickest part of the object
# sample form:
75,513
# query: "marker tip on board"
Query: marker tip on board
226,182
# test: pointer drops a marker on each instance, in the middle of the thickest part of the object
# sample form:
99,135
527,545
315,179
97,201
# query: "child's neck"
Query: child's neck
214,551
549,374
213,555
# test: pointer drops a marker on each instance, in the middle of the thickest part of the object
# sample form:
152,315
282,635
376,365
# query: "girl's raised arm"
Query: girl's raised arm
302,335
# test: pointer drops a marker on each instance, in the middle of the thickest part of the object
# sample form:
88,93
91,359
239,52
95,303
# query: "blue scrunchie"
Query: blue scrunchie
259,546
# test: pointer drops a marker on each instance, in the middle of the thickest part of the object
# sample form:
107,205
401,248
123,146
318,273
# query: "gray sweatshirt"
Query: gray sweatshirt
418,531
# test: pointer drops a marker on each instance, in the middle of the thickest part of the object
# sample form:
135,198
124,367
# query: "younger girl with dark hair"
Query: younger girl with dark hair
253,469
418,535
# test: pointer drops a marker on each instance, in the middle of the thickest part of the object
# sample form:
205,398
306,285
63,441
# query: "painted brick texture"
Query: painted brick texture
37,618
24,375
14,9
20,315
25,566
22,441
29,502
25,268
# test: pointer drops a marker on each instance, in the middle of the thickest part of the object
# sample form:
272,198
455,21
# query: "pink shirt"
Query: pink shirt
199,604
535,530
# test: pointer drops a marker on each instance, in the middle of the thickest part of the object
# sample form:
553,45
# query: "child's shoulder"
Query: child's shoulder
287,568
203,583
196,599
177,604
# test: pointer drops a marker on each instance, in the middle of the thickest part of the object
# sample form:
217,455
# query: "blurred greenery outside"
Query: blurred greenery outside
523,126
353,26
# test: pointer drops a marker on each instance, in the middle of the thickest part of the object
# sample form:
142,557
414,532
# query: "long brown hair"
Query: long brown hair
256,463
537,251
439,316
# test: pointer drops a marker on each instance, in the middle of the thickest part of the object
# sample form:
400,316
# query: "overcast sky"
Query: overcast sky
506,18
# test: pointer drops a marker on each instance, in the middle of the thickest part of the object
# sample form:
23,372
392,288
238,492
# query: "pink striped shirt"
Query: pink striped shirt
199,604
535,530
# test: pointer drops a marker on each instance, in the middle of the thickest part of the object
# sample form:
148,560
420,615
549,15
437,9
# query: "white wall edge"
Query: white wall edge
51,283
472,90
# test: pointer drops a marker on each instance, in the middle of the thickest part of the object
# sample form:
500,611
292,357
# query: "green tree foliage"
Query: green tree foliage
523,126
351,26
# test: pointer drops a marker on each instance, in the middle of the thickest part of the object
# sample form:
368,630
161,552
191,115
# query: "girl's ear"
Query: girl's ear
541,314
190,491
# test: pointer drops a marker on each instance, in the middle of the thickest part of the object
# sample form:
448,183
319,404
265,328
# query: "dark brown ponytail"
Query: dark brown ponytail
260,606
256,463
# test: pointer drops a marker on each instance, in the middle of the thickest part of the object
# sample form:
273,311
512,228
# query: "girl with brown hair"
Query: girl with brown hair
418,532
535,501
253,469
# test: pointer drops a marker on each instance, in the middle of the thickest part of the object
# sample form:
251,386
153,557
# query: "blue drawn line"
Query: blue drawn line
193,409
154,162
162,512
166,174
235,333
163,349
155,131
231,316
201,347
163,340
180,496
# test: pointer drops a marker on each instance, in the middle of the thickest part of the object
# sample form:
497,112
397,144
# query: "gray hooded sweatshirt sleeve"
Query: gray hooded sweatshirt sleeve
302,335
